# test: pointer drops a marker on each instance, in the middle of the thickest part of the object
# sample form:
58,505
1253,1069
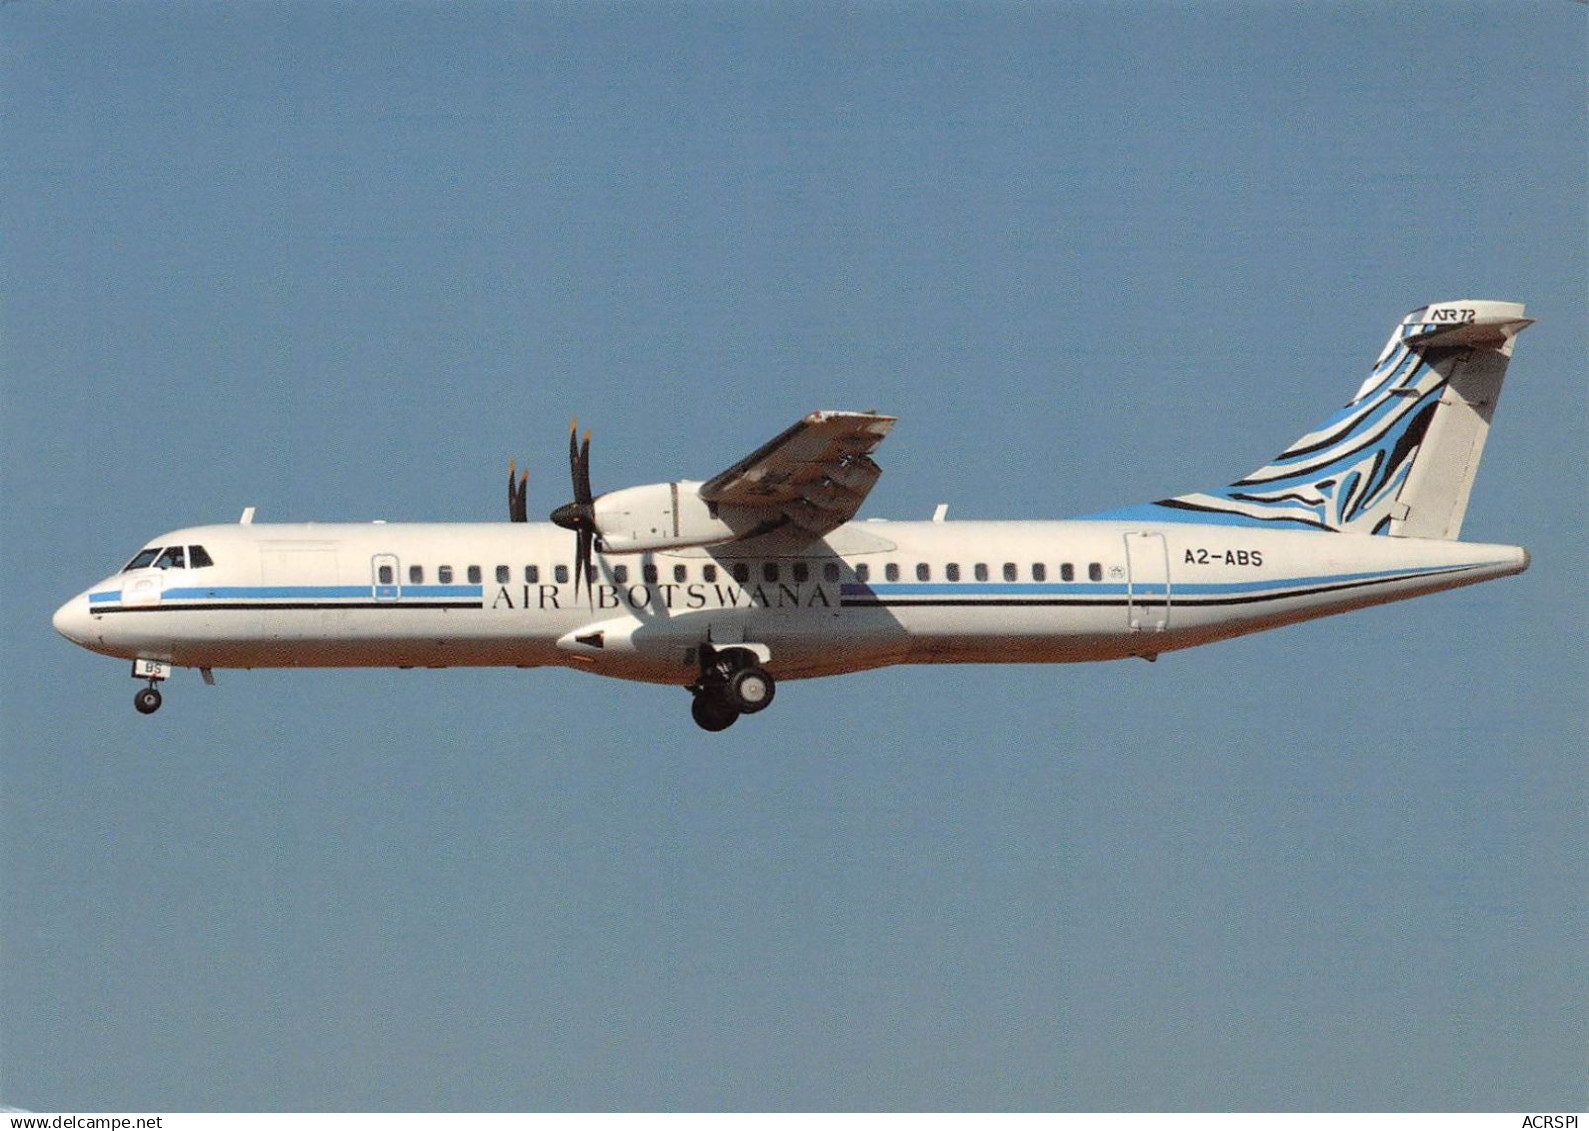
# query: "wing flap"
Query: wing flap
815,474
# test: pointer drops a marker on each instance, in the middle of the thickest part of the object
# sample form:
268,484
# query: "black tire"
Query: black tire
711,713
750,690
147,701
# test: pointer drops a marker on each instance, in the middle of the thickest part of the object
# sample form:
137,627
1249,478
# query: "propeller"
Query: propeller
580,515
517,489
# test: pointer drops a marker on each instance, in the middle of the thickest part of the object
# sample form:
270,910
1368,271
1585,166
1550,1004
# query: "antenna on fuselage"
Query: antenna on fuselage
248,516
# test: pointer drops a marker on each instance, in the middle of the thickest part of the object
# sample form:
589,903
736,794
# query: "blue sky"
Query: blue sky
341,261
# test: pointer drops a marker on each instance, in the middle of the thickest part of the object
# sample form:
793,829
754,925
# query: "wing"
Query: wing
813,476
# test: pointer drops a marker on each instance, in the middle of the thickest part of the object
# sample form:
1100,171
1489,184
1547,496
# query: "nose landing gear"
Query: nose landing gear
148,699
732,683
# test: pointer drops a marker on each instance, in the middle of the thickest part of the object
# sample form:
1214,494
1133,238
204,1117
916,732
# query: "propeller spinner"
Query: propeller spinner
579,515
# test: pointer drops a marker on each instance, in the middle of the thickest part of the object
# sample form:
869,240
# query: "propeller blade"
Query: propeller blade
573,456
518,493
584,564
582,479
580,515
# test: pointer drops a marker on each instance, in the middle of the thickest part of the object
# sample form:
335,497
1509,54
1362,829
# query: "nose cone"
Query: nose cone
72,620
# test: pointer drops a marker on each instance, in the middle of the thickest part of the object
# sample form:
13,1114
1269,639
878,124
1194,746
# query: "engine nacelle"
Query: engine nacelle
658,516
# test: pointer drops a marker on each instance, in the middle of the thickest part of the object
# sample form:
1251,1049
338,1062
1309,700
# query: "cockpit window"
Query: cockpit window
175,557
197,558
143,560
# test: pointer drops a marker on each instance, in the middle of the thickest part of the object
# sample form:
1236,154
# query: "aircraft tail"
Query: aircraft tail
1400,457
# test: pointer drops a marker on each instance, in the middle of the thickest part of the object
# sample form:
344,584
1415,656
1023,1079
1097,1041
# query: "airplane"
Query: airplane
761,573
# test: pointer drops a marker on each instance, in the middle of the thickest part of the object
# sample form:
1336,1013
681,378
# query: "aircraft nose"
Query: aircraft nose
71,620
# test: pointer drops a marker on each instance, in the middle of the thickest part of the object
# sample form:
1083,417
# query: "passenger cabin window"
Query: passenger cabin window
648,574
1095,572
385,574
923,571
1039,571
416,575
532,575
863,572
830,571
708,572
560,574
891,572
769,571
503,575
143,559
444,575
620,575
197,558
1067,572
802,573
474,575
680,573
952,571
1010,572
980,570
741,572
175,557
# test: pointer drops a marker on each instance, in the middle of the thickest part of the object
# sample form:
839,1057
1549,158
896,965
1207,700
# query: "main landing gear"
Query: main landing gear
732,683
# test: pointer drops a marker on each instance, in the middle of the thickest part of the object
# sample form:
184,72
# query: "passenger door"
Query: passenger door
1148,590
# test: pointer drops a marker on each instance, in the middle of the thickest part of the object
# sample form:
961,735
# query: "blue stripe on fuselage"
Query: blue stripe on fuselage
1098,589
267,593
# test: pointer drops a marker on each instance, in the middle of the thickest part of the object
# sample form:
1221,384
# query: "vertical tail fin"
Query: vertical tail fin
1400,457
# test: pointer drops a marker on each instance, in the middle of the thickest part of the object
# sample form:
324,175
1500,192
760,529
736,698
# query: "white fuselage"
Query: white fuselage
871,594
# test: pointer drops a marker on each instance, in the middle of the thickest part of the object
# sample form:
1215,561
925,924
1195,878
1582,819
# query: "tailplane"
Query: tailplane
1400,457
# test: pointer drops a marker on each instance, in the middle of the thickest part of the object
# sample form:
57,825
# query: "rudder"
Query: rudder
1434,498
